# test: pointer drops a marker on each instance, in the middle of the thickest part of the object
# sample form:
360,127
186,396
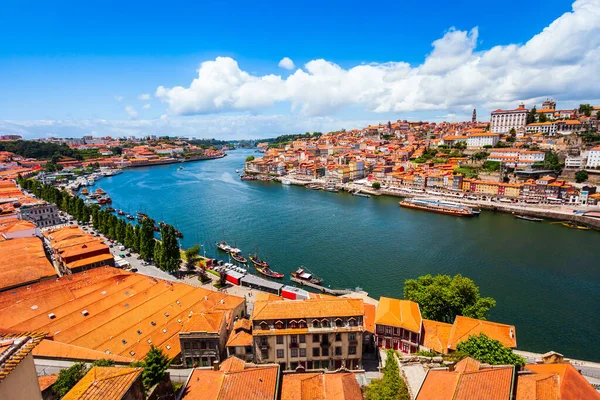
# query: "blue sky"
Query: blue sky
81,63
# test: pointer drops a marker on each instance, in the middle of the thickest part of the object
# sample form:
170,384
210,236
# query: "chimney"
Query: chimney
215,365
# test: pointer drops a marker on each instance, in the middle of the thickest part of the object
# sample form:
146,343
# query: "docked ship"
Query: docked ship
121,212
268,272
236,254
100,191
440,207
223,246
304,274
84,191
257,261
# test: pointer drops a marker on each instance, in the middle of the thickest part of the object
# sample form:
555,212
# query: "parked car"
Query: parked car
122,248
133,269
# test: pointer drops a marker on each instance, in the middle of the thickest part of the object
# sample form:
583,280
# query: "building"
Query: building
545,128
23,262
502,121
320,386
14,228
556,381
398,325
42,214
109,383
468,380
239,343
232,381
18,377
113,312
478,140
314,334
202,339
576,161
593,160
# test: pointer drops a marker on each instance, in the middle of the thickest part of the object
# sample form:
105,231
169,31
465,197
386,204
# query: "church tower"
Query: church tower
474,119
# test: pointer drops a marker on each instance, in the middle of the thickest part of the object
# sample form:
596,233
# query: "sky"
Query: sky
241,70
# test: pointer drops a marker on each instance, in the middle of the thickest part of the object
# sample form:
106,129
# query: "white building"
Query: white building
502,121
593,160
482,139
576,161
545,128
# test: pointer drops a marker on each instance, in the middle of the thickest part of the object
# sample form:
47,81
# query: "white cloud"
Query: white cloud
131,111
119,98
144,97
146,106
286,63
561,61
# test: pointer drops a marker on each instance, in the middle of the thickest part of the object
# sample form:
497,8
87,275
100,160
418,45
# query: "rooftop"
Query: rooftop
107,383
23,261
320,386
14,347
310,308
464,327
399,313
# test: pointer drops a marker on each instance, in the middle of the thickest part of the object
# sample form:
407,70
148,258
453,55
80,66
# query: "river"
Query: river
544,277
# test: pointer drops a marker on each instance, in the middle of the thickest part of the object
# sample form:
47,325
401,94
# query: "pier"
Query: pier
323,289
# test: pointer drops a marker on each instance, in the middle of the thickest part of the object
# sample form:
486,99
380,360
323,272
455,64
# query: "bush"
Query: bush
490,351
391,386
249,158
376,185
581,176
67,378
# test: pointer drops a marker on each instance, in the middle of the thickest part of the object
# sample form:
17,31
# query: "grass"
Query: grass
219,286
215,273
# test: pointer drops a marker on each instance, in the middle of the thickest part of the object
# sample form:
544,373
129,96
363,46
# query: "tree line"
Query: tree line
40,150
139,237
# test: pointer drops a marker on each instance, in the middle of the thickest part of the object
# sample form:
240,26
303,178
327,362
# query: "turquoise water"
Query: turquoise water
545,278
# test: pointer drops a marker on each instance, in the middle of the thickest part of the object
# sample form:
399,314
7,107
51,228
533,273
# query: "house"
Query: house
478,140
556,381
593,160
502,121
109,383
202,339
239,343
320,386
398,325
18,377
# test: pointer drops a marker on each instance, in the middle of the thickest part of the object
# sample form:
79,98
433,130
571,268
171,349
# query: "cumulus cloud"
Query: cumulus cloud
131,111
144,97
286,63
560,61
147,106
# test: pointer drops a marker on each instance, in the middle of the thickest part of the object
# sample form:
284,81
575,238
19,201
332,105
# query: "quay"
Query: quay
323,289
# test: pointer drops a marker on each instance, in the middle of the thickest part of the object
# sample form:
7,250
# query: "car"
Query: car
122,248
128,254
145,262
133,270
121,255
111,245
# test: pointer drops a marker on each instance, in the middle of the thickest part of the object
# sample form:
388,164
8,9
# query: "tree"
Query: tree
170,247
531,116
489,351
103,362
581,176
249,158
191,257
146,239
129,240
542,117
155,367
585,109
391,386
158,255
551,161
67,378
443,297
376,185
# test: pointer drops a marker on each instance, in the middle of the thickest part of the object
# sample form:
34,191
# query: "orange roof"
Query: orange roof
239,339
552,380
436,335
258,383
46,381
53,349
464,327
242,323
14,347
232,364
320,386
10,225
485,384
399,313
206,322
467,365
309,308
90,260
369,318
104,383
23,261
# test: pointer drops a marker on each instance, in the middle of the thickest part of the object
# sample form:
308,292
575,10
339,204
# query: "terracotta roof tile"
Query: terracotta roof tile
573,386
399,313
105,383
46,381
436,335
239,339
310,308
486,384
232,364
14,348
465,327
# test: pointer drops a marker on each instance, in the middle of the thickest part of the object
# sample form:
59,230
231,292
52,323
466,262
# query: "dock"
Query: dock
323,289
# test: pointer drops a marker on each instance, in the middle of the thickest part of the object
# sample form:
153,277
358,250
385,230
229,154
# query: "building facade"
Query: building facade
502,121
398,325
202,339
42,214
593,160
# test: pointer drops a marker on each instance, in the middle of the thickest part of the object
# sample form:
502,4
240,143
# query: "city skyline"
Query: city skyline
73,74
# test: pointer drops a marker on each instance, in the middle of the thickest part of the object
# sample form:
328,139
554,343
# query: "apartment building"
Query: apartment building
313,334
593,160
202,339
42,214
398,325
502,121
478,140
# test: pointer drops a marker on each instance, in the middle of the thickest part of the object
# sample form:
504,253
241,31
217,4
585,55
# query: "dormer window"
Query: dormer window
278,325
316,324
339,323
293,324
264,325
302,323
352,321
325,323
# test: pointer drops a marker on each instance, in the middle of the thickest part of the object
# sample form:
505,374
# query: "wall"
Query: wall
22,382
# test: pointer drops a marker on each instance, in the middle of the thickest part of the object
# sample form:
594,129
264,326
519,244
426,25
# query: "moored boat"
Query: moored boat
129,216
178,234
247,178
257,261
528,218
100,191
305,275
440,207
574,225
223,246
121,212
266,271
237,256
84,191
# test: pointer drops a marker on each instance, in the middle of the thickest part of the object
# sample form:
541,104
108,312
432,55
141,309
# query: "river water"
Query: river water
544,277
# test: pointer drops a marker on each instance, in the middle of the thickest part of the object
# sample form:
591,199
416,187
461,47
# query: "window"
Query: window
279,353
264,325
294,352
263,341
339,323
315,324
325,323
379,329
352,336
203,345
302,352
264,354
293,325
315,338
279,325
316,352
352,350
338,337
186,345
294,339
325,351
316,365
279,339
396,332
194,345
293,366
338,351
302,324
302,338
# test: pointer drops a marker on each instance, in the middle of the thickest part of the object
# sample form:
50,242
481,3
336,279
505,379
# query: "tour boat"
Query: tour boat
528,218
440,207
257,261
237,256
223,246
358,193
574,225
305,275
286,182
266,271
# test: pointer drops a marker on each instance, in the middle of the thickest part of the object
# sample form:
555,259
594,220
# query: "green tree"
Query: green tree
129,240
170,248
551,161
542,117
155,367
489,351
531,116
491,166
391,386
249,158
158,255
146,238
191,257
581,176
376,185
443,297
103,362
585,109
67,378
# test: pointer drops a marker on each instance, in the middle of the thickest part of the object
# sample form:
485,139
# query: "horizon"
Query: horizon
265,70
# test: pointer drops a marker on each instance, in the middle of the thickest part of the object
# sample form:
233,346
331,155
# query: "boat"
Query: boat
129,216
100,191
84,191
237,171
440,207
103,200
313,186
257,261
156,228
223,246
237,256
305,275
110,209
358,193
331,188
574,225
528,218
178,234
121,212
247,178
286,182
180,168
266,271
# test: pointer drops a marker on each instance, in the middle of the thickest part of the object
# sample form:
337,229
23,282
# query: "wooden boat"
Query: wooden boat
121,212
129,216
257,261
266,271
223,246
237,256
439,207
528,218
247,178
574,225
305,275
110,209
84,191
100,191
178,234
